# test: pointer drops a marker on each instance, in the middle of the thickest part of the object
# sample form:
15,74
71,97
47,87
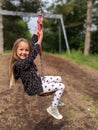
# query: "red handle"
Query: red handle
39,28
39,21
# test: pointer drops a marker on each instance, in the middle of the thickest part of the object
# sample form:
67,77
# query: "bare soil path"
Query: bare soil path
18,111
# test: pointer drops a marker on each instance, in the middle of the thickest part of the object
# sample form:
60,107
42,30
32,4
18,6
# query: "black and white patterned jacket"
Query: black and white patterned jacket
26,70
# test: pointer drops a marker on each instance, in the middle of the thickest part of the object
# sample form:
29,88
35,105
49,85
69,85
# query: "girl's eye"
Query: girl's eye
21,49
27,50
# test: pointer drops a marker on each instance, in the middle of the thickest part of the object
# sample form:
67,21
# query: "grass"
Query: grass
89,60
70,113
5,52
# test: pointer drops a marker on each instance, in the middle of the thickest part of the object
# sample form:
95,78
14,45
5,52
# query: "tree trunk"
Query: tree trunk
88,27
1,31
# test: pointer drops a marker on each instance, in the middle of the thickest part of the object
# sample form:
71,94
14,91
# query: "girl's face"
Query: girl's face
23,50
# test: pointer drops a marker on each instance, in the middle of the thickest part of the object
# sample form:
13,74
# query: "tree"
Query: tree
74,14
88,27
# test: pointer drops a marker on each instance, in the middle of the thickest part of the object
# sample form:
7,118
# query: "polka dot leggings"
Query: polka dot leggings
53,83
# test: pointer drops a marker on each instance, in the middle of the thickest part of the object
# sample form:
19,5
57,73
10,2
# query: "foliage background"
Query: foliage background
74,14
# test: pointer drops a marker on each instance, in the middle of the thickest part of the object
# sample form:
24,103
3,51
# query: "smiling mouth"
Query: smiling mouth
23,56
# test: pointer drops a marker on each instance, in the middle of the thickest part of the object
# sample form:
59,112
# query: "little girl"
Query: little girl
22,66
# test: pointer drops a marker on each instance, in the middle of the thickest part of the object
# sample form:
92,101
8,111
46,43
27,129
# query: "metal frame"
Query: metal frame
51,16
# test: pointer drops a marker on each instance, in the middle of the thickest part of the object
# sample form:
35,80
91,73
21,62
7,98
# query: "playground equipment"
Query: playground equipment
50,16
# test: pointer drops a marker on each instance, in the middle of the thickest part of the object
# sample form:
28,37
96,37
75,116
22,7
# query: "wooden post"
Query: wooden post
1,32
88,27
59,34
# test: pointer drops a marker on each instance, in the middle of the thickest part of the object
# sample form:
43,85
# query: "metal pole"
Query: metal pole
64,32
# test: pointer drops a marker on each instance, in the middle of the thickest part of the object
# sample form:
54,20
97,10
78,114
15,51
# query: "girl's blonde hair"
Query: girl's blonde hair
14,58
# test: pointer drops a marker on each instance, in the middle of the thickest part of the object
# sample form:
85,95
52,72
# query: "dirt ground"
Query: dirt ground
18,111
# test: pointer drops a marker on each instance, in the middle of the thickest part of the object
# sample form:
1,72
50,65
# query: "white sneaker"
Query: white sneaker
53,111
61,104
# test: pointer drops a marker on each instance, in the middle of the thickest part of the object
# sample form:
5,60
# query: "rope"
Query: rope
42,70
